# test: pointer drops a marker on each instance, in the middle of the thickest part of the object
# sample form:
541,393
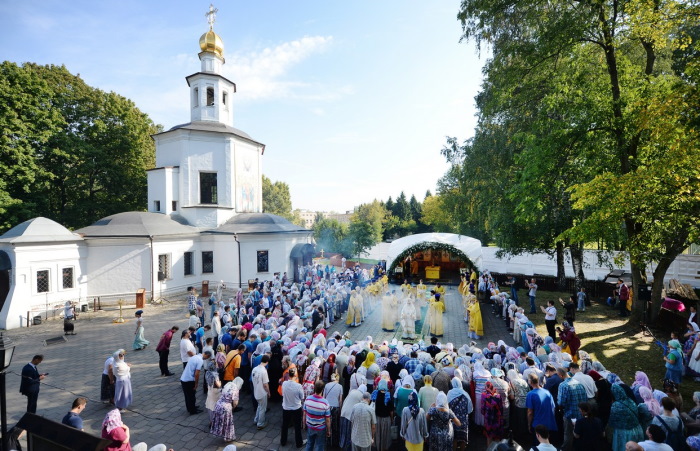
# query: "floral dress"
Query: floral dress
441,433
460,407
310,377
492,410
222,421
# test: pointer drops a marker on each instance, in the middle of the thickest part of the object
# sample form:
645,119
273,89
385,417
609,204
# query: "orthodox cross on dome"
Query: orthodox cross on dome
211,16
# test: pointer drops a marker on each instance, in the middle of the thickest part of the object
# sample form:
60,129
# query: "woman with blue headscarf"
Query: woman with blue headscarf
461,405
414,426
384,410
674,362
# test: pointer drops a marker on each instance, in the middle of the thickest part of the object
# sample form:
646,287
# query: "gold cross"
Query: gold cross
211,16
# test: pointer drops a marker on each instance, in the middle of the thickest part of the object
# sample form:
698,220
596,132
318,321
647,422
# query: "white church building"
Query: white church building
204,219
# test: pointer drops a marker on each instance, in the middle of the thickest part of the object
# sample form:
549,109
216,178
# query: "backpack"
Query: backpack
674,439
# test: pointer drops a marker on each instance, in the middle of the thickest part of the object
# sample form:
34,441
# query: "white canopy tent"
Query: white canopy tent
471,247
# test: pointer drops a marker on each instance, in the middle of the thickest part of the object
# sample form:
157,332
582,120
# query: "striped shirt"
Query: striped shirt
317,410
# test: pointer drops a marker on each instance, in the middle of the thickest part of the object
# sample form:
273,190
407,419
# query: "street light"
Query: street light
7,349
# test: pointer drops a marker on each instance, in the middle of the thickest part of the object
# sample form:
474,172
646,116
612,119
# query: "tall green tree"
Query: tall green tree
70,152
602,83
276,198
366,225
333,236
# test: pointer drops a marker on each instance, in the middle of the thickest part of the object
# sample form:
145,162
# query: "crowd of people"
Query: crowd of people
271,347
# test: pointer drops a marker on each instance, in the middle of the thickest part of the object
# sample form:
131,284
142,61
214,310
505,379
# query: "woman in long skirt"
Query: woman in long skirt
384,410
122,386
351,400
222,420
211,378
140,341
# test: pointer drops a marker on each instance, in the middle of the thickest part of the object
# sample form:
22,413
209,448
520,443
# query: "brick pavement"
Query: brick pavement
158,413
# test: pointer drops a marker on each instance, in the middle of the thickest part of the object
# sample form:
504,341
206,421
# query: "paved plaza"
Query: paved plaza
158,413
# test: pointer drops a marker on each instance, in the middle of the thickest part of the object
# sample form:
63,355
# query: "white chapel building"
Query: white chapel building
204,219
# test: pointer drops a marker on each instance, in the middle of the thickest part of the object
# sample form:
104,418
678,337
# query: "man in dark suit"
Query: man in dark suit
30,384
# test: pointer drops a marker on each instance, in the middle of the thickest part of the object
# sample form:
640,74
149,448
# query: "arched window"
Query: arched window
210,96
224,98
196,97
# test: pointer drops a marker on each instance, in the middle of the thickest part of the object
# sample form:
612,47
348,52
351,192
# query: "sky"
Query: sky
353,100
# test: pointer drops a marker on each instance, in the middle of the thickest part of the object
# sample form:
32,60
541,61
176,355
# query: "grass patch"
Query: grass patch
619,345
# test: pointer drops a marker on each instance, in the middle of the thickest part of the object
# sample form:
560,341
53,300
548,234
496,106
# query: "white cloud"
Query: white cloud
263,74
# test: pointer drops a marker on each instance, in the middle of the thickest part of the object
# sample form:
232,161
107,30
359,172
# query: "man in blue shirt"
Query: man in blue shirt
72,418
540,407
571,394
227,340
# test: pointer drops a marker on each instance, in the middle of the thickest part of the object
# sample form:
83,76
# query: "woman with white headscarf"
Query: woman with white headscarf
441,418
115,430
461,404
518,395
122,386
354,397
222,420
480,376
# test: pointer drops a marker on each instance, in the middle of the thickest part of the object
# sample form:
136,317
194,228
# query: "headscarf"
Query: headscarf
490,389
369,360
456,390
675,344
413,404
648,398
382,386
354,397
112,420
641,380
441,400
229,388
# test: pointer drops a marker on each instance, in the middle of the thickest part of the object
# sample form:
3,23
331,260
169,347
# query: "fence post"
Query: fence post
28,312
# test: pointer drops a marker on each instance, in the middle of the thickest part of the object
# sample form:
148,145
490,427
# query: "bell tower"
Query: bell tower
211,94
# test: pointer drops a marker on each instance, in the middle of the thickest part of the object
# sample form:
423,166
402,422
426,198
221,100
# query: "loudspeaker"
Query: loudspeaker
644,293
161,276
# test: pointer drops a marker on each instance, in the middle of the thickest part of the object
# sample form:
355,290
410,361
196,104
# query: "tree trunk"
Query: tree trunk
576,250
638,279
561,270
656,287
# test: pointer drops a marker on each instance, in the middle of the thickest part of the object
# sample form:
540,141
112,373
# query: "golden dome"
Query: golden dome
211,42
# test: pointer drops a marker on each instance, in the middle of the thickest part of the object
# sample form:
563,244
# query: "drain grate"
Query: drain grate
54,341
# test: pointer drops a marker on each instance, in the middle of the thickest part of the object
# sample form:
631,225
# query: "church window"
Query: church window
207,188
196,97
174,205
156,205
67,276
210,96
224,97
164,267
263,262
42,281
189,263
207,262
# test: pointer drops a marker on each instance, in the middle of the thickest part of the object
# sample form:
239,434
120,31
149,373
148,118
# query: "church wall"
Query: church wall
118,266
248,179
27,261
279,248
225,251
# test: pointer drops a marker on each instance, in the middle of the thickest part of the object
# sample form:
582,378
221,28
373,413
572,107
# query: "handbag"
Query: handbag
394,432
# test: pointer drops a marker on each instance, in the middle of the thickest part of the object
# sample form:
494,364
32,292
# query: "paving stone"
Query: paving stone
158,413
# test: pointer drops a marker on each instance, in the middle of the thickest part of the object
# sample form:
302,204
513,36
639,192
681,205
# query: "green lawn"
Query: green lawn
619,345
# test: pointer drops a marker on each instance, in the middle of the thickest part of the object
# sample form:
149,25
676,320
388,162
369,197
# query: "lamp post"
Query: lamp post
7,348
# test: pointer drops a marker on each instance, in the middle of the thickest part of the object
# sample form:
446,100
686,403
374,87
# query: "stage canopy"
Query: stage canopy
465,248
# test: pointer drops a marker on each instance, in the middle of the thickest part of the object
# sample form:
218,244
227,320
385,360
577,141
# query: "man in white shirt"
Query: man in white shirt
586,380
656,437
261,390
532,293
190,379
292,402
550,318
187,349
542,434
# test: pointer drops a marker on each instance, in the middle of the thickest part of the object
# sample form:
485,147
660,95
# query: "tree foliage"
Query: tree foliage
591,110
68,151
277,200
